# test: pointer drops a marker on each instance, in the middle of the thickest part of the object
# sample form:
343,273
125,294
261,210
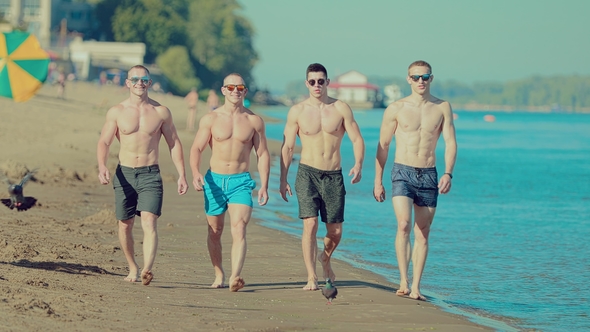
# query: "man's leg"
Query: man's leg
309,245
423,217
149,224
126,239
331,241
402,206
240,216
214,232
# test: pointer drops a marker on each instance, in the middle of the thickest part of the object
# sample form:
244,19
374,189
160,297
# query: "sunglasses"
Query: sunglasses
321,81
232,87
145,80
425,77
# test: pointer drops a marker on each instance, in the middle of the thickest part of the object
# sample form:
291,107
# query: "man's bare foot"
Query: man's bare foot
417,296
402,292
312,284
326,266
146,277
237,284
218,283
132,278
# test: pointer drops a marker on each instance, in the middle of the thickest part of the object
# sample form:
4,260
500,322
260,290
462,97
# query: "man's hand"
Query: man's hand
103,175
379,193
182,186
285,189
198,181
262,196
444,184
355,172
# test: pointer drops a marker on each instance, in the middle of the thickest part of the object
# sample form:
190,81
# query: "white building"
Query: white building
92,56
353,88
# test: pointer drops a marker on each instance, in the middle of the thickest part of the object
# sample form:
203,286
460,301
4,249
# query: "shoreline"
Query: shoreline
61,265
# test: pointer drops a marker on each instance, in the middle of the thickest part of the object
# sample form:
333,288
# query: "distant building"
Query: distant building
392,93
49,20
353,88
90,58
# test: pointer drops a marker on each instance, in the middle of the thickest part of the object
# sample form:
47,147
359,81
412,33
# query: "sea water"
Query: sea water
509,246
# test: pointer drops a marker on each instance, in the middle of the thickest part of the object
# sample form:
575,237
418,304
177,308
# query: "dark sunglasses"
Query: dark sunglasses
321,81
425,77
135,79
231,87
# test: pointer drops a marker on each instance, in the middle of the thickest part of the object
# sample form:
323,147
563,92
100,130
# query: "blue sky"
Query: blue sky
464,40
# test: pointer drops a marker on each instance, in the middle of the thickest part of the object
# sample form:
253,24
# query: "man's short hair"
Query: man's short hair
420,63
139,67
233,74
315,68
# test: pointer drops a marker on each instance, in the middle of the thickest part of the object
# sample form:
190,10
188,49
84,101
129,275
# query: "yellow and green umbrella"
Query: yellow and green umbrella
23,65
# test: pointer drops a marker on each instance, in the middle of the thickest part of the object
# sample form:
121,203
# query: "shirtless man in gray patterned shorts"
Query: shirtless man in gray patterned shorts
320,122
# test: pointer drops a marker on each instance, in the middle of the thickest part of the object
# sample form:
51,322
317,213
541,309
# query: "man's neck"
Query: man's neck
232,108
319,101
420,98
138,100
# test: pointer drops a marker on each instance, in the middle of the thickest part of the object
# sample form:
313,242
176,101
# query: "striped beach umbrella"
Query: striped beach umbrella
23,65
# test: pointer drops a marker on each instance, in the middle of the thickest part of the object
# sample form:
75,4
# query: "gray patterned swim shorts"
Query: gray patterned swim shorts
319,190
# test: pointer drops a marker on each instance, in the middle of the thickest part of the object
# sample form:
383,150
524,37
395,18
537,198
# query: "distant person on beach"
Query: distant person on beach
192,99
320,122
417,122
212,100
61,85
232,132
138,123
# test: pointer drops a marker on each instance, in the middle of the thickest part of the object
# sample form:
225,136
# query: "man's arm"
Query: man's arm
358,143
261,149
287,150
107,134
448,132
175,147
200,142
388,127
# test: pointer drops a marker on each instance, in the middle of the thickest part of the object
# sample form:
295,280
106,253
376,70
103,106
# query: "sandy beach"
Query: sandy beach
62,268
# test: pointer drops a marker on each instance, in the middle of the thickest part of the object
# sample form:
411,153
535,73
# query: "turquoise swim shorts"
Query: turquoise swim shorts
223,189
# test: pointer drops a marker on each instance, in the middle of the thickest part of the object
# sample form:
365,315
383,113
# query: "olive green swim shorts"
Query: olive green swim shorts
319,190
137,189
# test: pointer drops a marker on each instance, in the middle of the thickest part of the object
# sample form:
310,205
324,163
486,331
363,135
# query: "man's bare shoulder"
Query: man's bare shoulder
117,109
339,104
397,106
440,103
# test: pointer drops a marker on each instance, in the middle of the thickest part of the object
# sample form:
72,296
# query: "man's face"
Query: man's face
317,83
419,77
234,88
138,81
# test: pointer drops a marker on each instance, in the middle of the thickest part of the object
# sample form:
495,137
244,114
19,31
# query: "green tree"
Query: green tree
176,65
220,40
157,23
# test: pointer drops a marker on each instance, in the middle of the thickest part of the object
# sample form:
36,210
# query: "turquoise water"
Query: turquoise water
509,244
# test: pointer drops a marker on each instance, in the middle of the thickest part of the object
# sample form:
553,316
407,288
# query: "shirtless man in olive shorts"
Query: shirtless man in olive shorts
417,122
138,123
320,122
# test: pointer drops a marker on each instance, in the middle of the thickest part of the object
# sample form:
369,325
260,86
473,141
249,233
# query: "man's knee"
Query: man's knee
310,225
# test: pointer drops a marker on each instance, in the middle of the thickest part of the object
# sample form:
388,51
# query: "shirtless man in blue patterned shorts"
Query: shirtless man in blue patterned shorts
417,122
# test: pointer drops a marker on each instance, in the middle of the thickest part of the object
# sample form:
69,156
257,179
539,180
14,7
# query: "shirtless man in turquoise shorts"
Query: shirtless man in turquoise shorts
138,123
417,122
320,122
232,131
